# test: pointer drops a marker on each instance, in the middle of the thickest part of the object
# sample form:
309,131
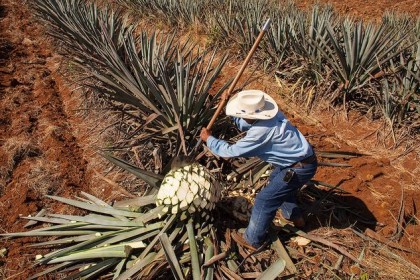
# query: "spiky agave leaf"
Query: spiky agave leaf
114,236
154,76
107,241
357,53
171,257
308,34
94,241
78,25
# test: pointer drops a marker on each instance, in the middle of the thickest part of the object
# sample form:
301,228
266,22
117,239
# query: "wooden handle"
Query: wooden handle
235,81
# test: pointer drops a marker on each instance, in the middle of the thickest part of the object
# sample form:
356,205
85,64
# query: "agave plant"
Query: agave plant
79,26
167,83
163,89
225,24
398,98
239,21
254,14
404,22
277,41
172,12
167,87
356,53
122,240
307,36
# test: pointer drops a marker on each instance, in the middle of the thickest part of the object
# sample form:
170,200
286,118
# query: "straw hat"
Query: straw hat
252,104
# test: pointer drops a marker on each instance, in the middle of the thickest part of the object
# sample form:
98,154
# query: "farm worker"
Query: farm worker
272,138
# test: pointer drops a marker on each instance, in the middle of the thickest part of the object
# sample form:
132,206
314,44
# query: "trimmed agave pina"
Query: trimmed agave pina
189,188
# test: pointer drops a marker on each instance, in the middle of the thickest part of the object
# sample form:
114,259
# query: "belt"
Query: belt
305,161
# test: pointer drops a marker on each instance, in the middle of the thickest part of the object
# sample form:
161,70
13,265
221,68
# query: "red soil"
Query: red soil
39,143
370,10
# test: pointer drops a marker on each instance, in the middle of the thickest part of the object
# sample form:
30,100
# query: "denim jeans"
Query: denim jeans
277,194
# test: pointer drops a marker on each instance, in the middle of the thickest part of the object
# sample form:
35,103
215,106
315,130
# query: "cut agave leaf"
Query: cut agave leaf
328,185
77,247
274,271
149,177
102,203
51,270
135,203
195,263
47,233
338,154
334,164
93,271
69,240
171,257
47,220
138,265
113,251
41,213
131,233
95,208
209,253
98,220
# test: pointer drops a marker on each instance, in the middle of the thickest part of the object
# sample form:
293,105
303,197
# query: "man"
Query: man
272,138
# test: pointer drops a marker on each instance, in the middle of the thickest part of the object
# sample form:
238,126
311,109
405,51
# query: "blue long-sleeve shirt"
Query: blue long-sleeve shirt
275,141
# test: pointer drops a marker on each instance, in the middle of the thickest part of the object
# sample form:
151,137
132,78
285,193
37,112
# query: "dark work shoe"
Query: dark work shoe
299,222
240,239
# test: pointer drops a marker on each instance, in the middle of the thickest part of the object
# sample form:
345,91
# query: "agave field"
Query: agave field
366,66
131,59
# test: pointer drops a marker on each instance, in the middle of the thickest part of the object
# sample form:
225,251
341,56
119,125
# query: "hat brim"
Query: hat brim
270,109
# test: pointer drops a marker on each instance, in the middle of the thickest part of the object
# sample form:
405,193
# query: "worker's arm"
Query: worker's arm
248,146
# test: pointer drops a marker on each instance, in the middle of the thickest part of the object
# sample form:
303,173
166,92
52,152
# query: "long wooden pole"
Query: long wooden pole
235,81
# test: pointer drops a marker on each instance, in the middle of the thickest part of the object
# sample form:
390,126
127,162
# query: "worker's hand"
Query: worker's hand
205,134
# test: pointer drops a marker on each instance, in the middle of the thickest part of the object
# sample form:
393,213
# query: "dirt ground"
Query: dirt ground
47,148
368,10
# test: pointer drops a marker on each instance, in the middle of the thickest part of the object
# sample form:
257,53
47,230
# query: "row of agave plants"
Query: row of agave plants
373,67
165,91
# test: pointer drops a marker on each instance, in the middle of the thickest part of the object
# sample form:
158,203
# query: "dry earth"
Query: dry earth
370,10
47,148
